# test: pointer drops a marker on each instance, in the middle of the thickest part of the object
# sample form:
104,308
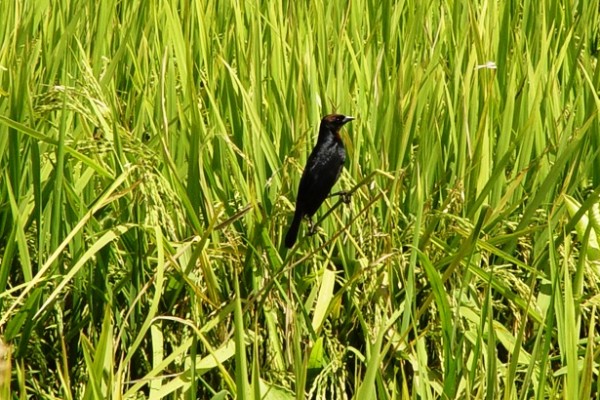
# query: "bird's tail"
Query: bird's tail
292,233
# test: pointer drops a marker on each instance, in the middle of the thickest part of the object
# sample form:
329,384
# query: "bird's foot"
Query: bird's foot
312,229
344,196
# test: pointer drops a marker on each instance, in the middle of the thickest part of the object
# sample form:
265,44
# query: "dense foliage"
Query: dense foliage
150,153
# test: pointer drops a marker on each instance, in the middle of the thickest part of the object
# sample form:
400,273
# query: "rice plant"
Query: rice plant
150,154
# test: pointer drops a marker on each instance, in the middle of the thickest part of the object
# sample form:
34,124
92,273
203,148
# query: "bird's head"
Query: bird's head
331,124
336,121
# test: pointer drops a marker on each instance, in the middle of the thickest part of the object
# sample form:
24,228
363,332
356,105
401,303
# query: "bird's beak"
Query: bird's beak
348,119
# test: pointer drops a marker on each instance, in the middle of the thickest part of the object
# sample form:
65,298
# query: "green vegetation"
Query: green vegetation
150,153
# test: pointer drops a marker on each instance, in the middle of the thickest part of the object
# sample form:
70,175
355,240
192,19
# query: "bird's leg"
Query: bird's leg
345,196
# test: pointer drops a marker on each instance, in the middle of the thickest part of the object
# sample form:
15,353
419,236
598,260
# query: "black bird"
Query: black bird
322,170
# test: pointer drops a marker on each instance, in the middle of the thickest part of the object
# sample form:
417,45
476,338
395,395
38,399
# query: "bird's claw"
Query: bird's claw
312,229
345,197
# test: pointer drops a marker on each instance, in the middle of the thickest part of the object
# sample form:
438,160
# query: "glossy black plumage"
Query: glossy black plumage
322,170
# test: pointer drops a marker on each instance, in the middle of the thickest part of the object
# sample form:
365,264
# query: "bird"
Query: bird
322,170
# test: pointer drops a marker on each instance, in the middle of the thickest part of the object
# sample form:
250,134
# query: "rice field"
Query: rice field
150,155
